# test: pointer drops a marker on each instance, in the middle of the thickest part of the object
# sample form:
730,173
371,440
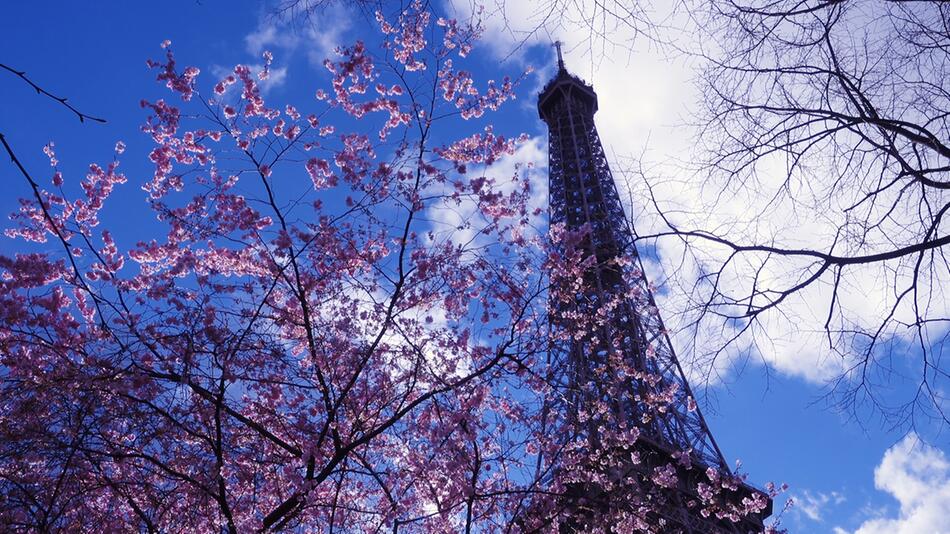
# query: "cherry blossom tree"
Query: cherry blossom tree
302,345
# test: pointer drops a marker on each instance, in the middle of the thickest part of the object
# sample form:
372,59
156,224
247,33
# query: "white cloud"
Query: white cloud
507,25
321,42
814,505
645,95
317,39
316,36
268,36
918,476
276,77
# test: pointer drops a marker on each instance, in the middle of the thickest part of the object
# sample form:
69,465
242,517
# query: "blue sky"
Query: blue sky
95,54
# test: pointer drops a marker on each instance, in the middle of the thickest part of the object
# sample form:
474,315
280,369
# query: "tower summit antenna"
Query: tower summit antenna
560,59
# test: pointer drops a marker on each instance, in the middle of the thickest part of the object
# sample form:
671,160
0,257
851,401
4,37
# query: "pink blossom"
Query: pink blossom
265,72
319,171
356,357
48,150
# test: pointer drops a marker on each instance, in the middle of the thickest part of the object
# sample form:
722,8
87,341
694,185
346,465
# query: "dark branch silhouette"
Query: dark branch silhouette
62,100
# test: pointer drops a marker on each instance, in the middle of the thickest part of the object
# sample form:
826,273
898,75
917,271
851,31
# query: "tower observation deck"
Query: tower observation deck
584,199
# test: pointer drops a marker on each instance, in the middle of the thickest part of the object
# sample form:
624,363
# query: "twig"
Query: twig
62,100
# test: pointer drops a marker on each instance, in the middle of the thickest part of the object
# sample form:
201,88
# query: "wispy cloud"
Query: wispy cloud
814,505
268,36
317,39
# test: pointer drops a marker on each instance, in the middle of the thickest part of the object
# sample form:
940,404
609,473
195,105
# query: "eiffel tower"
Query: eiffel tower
583,197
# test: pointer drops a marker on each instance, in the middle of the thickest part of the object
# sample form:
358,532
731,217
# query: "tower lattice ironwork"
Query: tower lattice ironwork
584,197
